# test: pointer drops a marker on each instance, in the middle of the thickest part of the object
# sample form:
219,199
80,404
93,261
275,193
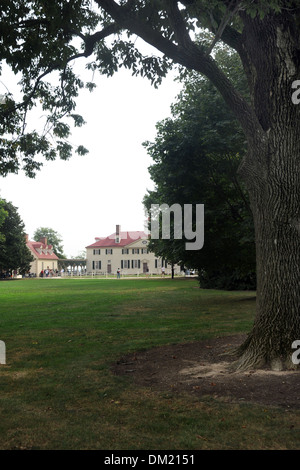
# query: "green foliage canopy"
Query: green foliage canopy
14,254
41,40
3,215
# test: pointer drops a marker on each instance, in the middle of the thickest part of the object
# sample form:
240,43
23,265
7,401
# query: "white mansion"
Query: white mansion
126,251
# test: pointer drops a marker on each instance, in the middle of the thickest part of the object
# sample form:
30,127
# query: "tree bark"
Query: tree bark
272,174
277,228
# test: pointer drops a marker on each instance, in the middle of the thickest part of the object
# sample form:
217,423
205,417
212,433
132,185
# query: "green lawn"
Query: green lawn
57,391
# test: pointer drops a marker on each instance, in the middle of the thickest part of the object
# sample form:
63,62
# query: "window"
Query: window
125,264
109,251
135,263
144,250
97,252
125,251
135,251
96,264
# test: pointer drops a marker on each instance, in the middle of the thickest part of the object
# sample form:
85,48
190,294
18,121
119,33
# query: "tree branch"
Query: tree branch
224,23
89,41
31,23
232,38
127,19
189,55
178,24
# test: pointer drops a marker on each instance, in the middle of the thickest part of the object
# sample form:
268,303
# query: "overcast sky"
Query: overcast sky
87,196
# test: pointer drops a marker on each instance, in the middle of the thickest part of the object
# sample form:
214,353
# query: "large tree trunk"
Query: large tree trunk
276,216
272,173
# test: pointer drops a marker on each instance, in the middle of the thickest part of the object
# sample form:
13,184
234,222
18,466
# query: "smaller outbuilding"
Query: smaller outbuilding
45,260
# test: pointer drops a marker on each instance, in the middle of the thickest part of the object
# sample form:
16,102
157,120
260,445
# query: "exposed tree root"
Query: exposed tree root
248,361
255,355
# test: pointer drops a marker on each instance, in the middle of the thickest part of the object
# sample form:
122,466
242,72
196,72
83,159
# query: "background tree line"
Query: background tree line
14,253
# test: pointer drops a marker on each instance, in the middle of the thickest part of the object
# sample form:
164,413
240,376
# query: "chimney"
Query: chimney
43,240
117,240
26,237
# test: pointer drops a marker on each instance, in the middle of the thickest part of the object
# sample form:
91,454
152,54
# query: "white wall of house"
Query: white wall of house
39,265
46,264
133,259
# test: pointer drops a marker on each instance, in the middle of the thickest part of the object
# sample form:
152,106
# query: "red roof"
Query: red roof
40,250
126,238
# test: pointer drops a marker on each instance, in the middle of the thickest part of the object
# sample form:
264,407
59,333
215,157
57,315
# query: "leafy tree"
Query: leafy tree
196,155
14,254
3,215
53,238
80,255
39,38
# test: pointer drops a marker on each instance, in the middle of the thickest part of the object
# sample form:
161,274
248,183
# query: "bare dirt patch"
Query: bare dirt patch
203,369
